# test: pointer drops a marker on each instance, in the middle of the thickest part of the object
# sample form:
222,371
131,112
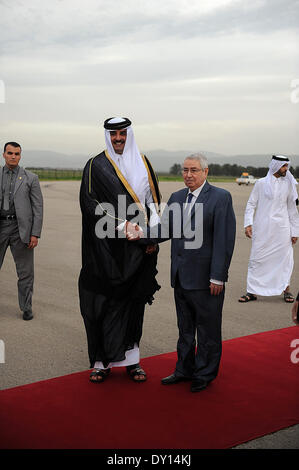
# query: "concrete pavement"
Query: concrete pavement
54,342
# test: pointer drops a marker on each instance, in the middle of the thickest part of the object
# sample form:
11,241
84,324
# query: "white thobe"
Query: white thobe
274,221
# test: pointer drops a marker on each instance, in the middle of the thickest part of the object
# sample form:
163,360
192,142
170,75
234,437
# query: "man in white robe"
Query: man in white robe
272,222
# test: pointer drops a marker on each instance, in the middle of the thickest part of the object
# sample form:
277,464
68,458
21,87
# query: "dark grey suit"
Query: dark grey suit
191,271
27,205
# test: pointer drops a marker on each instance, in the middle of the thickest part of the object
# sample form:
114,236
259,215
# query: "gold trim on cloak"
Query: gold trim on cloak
151,183
127,186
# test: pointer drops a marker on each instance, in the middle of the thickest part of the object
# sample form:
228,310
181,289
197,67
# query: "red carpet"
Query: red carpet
256,393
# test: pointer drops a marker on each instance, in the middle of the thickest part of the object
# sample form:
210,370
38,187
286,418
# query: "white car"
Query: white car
246,179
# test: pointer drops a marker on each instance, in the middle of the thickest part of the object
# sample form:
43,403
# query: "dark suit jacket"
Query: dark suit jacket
211,260
28,201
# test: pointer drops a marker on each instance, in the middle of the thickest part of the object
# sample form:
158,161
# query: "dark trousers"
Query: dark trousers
23,257
198,314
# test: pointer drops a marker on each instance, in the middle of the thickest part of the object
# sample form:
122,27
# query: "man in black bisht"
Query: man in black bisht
117,278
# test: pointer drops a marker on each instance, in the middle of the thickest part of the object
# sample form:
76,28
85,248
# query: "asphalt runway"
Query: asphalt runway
54,342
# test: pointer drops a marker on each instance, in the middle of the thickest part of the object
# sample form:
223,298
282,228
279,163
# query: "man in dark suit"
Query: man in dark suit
198,270
21,216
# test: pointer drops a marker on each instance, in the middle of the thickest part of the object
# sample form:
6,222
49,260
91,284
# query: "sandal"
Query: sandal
288,297
135,371
247,298
99,374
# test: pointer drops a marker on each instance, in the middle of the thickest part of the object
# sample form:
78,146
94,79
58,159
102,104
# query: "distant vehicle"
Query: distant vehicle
245,178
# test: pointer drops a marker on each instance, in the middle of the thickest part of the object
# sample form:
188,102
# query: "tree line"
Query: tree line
234,170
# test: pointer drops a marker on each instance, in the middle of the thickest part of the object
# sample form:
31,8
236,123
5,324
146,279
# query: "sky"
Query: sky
214,75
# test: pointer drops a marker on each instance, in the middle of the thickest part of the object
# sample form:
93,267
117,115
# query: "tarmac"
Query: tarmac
54,342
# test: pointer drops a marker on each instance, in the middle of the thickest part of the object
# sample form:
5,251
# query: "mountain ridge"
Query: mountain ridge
161,160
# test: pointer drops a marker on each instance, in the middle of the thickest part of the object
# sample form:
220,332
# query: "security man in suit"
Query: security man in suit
198,270
21,217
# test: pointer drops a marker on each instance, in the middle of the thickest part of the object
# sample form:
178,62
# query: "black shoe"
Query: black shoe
198,385
27,316
172,379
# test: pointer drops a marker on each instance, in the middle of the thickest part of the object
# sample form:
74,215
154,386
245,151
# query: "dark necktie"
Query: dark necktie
190,196
7,191
187,208
186,216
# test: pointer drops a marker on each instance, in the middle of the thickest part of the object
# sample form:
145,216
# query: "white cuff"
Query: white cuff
121,226
214,281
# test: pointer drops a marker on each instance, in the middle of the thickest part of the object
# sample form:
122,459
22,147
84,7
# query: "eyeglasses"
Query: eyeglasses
193,171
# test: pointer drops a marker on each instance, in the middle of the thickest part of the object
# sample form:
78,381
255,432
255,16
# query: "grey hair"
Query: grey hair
202,159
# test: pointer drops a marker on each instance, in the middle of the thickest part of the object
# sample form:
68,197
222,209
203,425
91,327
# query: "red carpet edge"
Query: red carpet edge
255,393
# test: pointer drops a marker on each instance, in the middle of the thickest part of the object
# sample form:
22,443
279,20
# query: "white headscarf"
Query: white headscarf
130,162
275,166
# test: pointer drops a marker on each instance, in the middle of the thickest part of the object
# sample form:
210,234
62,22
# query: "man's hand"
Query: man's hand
150,249
216,289
248,231
133,231
294,239
33,242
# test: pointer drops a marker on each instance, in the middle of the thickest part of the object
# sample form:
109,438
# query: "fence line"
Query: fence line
57,173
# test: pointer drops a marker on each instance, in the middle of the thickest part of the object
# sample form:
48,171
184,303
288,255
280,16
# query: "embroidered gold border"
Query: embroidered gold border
126,185
152,186
89,179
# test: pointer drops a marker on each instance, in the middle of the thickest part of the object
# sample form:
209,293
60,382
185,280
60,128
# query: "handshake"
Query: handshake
134,232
